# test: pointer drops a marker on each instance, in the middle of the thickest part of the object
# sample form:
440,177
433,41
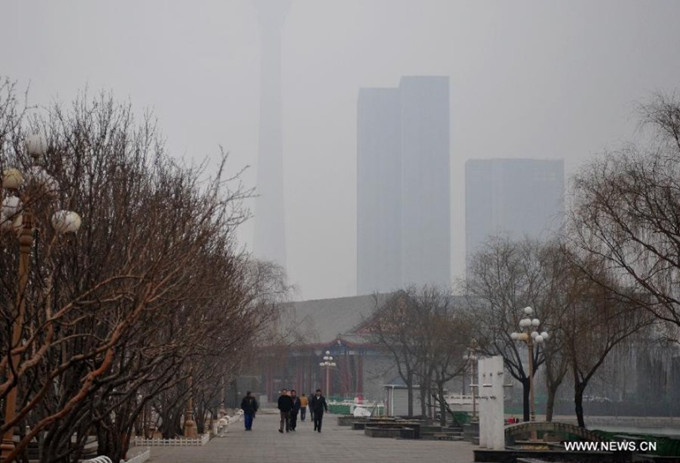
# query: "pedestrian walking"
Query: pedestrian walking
311,409
249,407
319,406
303,406
294,411
285,405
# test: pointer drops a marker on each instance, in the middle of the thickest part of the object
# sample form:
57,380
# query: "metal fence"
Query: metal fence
178,442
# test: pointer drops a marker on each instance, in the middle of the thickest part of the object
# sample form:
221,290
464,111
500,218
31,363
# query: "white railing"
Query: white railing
459,402
102,459
177,442
376,407
141,458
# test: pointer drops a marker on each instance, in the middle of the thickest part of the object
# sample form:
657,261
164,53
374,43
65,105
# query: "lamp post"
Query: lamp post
17,214
190,428
530,335
471,357
327,363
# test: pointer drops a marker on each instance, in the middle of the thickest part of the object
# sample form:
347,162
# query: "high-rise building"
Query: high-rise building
515,197
270,236
425,189
378,191
403,211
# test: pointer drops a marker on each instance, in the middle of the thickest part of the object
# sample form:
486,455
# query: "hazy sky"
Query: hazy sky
543,79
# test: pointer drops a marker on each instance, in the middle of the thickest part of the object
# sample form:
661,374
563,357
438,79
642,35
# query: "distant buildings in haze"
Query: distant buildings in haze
518,197
403,186
270,235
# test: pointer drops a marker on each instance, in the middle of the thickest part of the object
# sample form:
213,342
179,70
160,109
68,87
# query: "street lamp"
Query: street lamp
530,335
471,357
21,193
190,428
327,363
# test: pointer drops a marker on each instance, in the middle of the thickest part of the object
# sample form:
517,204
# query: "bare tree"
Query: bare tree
503,277
450,330
595,324
426,334
626,215
151,284
394,325
627,212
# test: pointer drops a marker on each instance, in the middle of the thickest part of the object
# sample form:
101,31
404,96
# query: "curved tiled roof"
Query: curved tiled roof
324,320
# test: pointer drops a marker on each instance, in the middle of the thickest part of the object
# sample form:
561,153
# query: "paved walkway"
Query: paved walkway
335,444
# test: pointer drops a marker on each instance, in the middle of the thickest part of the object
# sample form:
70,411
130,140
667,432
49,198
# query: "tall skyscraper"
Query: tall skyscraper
378,190
403,209
270,235
425,189
517,197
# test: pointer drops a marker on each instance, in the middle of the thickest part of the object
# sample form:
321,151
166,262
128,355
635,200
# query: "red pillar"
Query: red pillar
360,373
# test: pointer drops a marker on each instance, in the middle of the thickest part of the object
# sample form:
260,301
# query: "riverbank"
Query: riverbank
654,425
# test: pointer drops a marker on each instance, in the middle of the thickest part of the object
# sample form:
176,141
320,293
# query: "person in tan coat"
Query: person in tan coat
303,406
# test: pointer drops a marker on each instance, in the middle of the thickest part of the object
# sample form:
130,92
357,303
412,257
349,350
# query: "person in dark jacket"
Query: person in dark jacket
249,407
311,410
285,406
318,406
294,411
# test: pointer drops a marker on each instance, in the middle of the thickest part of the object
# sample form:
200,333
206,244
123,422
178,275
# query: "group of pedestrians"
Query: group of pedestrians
289,405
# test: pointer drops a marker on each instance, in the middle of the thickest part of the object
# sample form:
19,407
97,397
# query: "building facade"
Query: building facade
270,236
517,197
327,325
403,186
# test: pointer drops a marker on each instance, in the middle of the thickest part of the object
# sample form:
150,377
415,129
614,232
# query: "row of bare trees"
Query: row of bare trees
613,273
585,320
427,331
427,336
151,296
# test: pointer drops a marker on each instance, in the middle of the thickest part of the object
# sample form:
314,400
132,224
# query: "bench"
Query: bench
446,436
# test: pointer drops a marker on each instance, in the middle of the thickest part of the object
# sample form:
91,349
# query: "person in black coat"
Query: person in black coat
318,406
285,406
249,407
294,411
311,409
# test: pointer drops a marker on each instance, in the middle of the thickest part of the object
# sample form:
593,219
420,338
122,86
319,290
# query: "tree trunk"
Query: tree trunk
431,408
525,398
104,436
550,404
424,396
124,447
199,418
442,403
409,393
579,387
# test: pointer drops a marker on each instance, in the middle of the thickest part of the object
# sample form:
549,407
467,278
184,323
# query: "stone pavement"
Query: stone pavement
334,444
